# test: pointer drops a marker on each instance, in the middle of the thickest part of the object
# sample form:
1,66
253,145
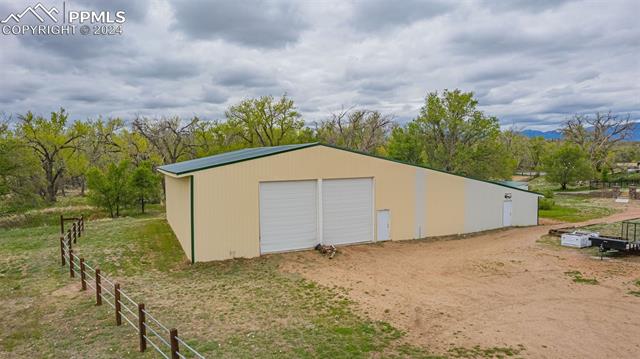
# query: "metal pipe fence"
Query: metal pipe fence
166,341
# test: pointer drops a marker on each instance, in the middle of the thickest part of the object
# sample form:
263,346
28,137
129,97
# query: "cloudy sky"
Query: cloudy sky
532,63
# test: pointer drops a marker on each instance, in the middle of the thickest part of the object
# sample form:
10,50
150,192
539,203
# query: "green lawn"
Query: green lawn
540,184
233,309
571,208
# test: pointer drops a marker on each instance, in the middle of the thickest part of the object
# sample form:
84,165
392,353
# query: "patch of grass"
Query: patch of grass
235,309
540,184
492,352
609,229
570,208
549,240
578,278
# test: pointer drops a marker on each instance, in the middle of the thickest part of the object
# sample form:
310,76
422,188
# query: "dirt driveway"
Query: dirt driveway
495,289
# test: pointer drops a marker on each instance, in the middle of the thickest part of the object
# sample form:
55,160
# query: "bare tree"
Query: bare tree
596,135
361,130
172,137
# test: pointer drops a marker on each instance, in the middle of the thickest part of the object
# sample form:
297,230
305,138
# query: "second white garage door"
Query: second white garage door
347,210
288,216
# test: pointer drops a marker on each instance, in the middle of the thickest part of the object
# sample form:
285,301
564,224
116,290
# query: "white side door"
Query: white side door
347,210
288,216
506,213
384,225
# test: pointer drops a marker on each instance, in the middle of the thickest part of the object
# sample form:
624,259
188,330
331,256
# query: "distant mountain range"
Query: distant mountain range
547,135
556,134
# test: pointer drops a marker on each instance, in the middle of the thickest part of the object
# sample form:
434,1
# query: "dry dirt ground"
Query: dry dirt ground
502,288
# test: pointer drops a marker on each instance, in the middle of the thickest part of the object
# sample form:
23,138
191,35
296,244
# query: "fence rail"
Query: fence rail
623,183
167,342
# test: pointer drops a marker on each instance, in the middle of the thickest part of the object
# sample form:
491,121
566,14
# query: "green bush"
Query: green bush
546,204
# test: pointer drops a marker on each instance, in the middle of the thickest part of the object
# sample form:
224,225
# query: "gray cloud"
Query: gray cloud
265,24
377,15
134,10
159,68
245,76
524,5
537,65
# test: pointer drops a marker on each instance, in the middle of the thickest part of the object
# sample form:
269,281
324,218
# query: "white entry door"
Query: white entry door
288,216
506,213
347,211
384,225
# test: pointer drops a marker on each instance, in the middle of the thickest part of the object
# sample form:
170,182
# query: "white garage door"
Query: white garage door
288,216
347,211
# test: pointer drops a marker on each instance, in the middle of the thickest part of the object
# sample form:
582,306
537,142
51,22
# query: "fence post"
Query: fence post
79,229
116,296
83,278
82,222
142,330
62,261
71,272
69,242
98,288
61,224
75,233
173,339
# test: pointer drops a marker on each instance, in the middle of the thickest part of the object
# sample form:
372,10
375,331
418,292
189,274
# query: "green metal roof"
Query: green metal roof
227,158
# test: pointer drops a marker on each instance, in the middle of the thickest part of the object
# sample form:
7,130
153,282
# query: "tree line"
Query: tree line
44,157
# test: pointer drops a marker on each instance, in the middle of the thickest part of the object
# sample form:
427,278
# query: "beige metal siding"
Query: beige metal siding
525,208
178,210
226,199
226,206
484,206
445,198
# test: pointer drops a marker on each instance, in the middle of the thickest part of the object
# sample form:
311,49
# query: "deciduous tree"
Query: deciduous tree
360,130
460,138
52,140
597,134
144,184
565,164
109,189
265,121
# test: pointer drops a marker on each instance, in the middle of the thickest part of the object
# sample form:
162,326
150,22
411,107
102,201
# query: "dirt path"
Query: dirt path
495,289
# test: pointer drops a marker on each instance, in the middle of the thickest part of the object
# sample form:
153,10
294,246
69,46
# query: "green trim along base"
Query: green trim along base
193,251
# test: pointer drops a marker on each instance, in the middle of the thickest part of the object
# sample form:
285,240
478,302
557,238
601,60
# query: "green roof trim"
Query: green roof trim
227,158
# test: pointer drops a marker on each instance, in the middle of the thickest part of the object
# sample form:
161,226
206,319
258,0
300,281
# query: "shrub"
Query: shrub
546,203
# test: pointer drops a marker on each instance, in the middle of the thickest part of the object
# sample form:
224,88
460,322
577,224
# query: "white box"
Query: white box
577,239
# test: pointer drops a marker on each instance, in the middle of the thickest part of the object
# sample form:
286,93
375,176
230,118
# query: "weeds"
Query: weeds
578,278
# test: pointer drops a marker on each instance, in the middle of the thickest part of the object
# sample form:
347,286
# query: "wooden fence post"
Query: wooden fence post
61,224
98,288
116,296
83,278
79,228
173,339
69,242
142,330
75,233
62,261
82,222
71,272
